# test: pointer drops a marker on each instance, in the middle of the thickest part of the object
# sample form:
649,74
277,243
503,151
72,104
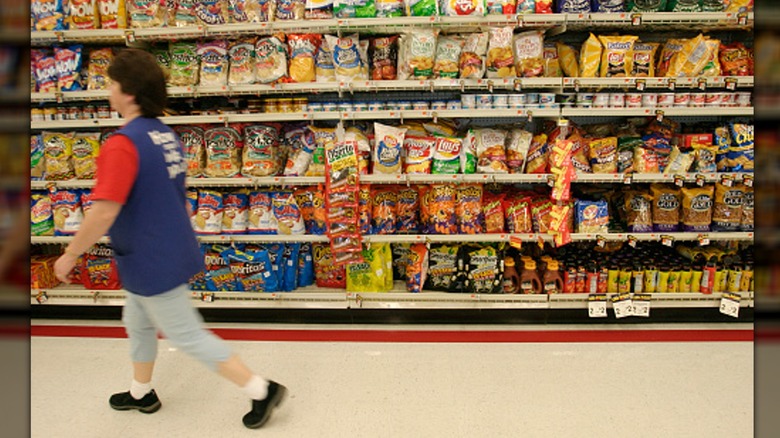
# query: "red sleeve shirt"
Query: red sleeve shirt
117,168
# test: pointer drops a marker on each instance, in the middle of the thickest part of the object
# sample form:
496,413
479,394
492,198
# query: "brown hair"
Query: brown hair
139,75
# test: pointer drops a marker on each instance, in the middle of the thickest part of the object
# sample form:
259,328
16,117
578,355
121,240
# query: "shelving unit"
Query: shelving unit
398,298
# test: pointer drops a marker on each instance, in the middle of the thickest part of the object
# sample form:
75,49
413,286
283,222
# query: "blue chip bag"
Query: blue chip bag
722,140
219,276
68,62
48,14
741,155
305,265
276,255
591,217
252,270
290,259
572,6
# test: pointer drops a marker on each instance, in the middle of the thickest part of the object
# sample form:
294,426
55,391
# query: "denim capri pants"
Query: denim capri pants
178,320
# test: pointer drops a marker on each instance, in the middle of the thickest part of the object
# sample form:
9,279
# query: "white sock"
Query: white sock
138,390
256,388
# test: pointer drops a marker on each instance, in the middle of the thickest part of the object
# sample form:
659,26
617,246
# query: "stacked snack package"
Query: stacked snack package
563,171
342,200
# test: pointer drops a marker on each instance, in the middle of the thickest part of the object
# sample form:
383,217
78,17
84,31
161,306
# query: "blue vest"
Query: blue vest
154,244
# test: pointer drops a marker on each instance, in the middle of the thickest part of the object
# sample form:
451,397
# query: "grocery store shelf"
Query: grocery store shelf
313,297
538,178
262,238
662,20
659,82
671,112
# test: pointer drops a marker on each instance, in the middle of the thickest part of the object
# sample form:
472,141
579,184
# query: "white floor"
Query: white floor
410,389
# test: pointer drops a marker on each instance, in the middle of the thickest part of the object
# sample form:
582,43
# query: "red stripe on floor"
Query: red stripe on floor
486,336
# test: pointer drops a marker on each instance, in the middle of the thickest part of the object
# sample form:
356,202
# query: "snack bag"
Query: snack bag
223,146
365,209
145,13
691,59
590,57
727,210
253,270
312,205
319,9
354,8
643,61
529,54
442,268
485,269
705,157
97,68
501,7
441,206
552,64
208,219
259,154
213,63
301,50
639,211
568,59
46,73
697,208
468,209
416,268
68,62
270,59
242,67
458,8
261,216
192,139
517,212
288,215
491,152
326,272
422,51
493,212
592,217
48,15
390,8
741,153
369,276
418,154
607,6
421,8
383,216
472,58
712,67
388,148
540,214
41,219
66,211
679,162
99,270
572,6
666,207
346,57
407,211
734,59
324,69
603,155
383,57
500,58
58,153
537,161
85,148
322,137
37,158
235,212
747,223
625,153
517,145
213,12
448,51
617,55
645,161
290,9
305,265
185,64
446,157
668,53
83,15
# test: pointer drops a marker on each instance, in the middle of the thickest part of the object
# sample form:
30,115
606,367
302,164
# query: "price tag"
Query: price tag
622,305
540,241
518,85
601,241
640,85
679,180
551,180
729,304
516,242
742,19
627,179
672,84
641,305
130,36
747,180
703,240
636,19
700,180
597,305
207,297
563,123
702,84
632,241
731,84
659,115
727,180
577,85
667,240
41,297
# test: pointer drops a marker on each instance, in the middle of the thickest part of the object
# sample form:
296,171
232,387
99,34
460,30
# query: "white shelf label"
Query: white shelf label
641,304
729,304
622,306
597,305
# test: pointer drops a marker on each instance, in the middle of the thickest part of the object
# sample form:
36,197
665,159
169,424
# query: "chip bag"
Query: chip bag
301,50
448,51
590,57
617,55
472,58
643,61
666,207
270,59
446,157
418,154
85,148
422,52
491,152
568,60
529,54
468,209
500,57
388,148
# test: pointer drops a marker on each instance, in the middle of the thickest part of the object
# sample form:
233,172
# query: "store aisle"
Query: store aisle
412,389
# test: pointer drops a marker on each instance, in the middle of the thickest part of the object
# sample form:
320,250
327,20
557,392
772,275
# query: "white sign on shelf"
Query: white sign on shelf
622,305
597,305
729,304
641,304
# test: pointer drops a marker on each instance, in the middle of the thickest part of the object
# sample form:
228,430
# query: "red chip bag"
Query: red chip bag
517,210
326,272
493,212
99,270
537,155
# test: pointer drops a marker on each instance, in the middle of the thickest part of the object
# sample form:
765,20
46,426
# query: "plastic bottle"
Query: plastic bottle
734,278
612,279
663,280
570,280
529,279
696,276
708,276
624,280
673,284
552,280
651,279
511,284
592,279
722,276
582,280
603,280
745,285
686,277
638,279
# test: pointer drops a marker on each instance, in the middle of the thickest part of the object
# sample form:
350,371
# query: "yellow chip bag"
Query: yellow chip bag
552,64
671,48
643,60
691,59
568,59
712,68
302,48
85,149
590,57
617,56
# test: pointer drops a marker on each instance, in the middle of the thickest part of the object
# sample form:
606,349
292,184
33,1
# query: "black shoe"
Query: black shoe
261,409
123,401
